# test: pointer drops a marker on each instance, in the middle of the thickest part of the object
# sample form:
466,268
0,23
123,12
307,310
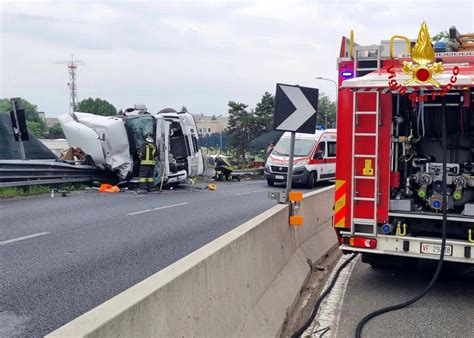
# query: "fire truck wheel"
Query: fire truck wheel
311,180
387,261
270,183
377,261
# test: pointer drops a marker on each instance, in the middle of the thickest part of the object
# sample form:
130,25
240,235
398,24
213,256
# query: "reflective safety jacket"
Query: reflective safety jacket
148,154
222,162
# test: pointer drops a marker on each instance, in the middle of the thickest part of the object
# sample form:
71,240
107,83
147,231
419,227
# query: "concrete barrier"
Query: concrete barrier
242,284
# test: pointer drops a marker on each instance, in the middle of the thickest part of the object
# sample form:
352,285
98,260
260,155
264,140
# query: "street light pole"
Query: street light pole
221,141
337,93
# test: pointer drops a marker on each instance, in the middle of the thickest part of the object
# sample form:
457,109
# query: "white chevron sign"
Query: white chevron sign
295,108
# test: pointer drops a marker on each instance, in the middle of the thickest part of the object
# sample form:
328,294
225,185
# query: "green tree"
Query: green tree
31,115
55,131
184,109
240,128
31,110
35,128
326,107
96,106
263,114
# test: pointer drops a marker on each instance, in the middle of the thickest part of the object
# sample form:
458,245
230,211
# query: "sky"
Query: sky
198,54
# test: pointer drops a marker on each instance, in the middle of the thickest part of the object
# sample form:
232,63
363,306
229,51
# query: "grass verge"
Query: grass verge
11,192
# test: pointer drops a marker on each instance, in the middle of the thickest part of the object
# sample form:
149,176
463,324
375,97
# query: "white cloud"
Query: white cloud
195,53
281,10
74,11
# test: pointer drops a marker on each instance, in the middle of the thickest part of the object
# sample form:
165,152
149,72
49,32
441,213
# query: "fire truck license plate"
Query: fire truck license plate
435,249
279,177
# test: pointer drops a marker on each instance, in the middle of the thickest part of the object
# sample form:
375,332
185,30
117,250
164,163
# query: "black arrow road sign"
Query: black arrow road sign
295,108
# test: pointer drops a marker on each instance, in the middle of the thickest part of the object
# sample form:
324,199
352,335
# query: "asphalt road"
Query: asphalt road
445,312
62,256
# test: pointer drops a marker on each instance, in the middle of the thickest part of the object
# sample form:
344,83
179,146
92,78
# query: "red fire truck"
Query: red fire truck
391,101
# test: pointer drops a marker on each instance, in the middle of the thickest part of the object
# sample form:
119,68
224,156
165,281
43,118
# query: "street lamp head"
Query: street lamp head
326,79
335,84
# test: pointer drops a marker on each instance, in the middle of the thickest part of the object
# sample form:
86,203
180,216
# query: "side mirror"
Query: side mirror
319,156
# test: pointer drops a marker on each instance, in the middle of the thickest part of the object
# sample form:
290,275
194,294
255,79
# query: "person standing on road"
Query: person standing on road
148,154
269,149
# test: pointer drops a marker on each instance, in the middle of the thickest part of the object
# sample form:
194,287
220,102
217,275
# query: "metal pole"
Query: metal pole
289,176
21,148
221,141
337,94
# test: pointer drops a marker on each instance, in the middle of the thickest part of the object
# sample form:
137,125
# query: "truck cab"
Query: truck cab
113,142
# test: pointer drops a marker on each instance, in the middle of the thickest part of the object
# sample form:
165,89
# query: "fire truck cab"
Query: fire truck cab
389,186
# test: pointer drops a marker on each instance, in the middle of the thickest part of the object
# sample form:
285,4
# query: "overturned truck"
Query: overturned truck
113,142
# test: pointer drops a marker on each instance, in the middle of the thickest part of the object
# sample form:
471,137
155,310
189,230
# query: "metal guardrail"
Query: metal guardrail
252,171
14,173
39,182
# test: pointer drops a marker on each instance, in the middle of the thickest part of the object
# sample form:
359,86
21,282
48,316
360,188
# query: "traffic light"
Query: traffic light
18,118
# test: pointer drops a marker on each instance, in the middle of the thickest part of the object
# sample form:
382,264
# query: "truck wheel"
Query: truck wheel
310,182
388,261
376,261
271,183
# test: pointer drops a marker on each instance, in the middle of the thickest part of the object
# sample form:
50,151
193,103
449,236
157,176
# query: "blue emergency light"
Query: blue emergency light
387,228
346,74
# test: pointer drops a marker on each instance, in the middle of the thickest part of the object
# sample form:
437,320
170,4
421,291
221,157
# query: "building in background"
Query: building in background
51,121
208,125
56,146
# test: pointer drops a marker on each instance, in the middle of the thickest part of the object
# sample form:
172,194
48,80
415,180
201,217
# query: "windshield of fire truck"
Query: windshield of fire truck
302,147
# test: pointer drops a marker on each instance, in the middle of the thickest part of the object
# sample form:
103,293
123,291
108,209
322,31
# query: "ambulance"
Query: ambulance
314,158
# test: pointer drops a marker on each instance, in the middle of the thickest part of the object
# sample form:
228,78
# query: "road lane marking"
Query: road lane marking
249,192
139,212
22,238
155,209
330,310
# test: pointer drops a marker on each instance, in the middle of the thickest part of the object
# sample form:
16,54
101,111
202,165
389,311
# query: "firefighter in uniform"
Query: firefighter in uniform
148,154
223,168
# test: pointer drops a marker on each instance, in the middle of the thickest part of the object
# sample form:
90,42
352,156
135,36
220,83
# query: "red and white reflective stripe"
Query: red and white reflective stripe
367,89
408,89
371,89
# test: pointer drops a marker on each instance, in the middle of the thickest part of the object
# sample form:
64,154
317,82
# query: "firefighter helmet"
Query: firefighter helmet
149,138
